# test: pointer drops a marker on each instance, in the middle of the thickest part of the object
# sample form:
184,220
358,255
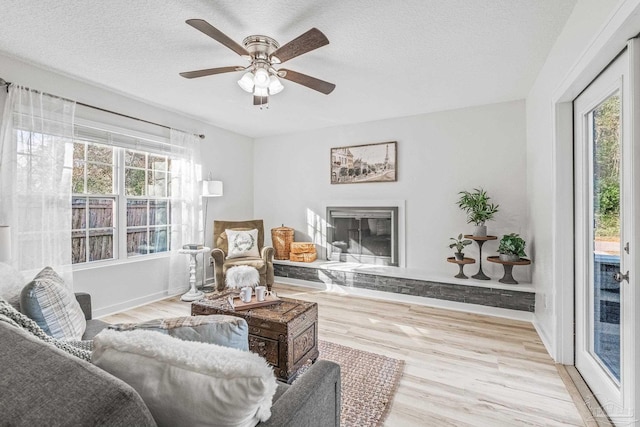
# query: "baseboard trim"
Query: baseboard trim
135,302
545,339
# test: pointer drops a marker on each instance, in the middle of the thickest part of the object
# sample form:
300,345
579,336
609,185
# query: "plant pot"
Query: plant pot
459,256
509,257
480,230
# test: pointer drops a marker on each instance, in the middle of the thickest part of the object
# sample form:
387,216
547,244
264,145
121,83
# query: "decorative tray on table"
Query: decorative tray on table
237,304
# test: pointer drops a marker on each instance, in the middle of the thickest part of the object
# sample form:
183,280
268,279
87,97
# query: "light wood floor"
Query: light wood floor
461,369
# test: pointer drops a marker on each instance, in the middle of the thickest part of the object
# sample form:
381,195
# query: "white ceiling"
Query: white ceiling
387,58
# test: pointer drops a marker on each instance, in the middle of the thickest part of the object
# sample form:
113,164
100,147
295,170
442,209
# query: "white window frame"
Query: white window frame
88,196
151,145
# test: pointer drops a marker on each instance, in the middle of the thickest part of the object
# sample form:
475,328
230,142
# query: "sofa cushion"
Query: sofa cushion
227,331
242,243
53,306
11,284
189,383
41,385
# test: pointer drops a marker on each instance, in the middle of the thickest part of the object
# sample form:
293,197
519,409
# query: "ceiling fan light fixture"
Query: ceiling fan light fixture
260,91
261,78
246,82
274,85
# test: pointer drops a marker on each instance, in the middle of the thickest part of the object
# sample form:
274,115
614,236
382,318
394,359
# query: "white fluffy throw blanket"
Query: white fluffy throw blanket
241,276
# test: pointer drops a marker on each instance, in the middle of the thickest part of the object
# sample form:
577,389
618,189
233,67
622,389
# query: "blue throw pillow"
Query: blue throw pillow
53,306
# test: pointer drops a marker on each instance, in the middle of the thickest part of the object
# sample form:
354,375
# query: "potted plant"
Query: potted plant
459,244
476,205
511,247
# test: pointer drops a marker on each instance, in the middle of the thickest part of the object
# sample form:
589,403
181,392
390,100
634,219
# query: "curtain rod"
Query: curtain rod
3,82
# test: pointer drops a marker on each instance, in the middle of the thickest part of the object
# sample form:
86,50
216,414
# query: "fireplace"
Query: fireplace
367,235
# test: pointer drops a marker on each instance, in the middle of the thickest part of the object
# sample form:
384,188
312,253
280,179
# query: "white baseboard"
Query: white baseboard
135,302
410,299
545,339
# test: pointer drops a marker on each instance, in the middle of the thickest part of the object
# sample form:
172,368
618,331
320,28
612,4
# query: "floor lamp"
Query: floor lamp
210,189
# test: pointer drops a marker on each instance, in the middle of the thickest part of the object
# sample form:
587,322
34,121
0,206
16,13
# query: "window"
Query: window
82,192
94,203
147,190
121,198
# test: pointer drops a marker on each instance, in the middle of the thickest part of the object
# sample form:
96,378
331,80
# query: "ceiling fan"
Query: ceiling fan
261,78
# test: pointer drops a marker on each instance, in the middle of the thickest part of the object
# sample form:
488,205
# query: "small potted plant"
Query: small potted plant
459,244
476,205
511,247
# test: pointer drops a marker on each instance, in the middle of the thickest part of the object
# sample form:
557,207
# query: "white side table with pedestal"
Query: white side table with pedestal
193,294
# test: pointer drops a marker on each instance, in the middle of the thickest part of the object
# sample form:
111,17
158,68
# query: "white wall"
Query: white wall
549,166
439,155
116,287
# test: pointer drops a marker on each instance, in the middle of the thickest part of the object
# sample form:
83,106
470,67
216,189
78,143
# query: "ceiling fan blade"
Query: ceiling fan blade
217,35
308,81
209,72
312,39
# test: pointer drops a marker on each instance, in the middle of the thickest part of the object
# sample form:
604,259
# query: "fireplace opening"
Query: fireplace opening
367,235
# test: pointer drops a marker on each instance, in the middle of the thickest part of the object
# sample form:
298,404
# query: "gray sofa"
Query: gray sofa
42,385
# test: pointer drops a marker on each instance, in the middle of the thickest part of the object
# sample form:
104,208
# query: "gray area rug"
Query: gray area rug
369,382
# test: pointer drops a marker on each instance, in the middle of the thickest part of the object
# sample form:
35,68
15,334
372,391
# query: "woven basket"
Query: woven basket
281,237
303,257
303,248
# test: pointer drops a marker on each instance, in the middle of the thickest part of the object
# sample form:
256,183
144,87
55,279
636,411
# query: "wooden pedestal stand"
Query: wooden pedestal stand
461,264
480,241
508,268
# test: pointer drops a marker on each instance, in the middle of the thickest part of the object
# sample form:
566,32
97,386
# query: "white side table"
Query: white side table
193,294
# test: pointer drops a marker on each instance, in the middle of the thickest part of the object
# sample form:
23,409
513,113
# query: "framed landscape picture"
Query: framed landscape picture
364,163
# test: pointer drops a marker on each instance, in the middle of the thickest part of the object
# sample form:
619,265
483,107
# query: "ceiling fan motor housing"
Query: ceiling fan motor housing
260,47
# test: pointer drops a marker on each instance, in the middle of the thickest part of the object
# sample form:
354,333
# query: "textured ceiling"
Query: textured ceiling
387,58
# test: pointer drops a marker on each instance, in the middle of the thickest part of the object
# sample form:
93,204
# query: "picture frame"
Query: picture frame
366,163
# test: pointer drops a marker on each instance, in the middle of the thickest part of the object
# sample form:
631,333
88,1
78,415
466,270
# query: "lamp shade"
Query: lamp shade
5,243
261,78
212,189
246,82
274,85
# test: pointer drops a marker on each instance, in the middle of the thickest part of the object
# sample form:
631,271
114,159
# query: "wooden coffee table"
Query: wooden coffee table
285,334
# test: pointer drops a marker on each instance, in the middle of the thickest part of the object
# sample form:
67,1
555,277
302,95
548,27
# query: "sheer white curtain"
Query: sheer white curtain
186,207
36,149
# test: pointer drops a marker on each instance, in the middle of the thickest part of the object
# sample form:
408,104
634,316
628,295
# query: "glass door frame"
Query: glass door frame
617,400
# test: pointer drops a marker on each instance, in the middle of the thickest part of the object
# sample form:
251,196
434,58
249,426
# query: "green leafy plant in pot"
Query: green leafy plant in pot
511,247
459,244
478,209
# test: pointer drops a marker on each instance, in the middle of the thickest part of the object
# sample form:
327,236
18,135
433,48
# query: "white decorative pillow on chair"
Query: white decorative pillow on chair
242,243
189,383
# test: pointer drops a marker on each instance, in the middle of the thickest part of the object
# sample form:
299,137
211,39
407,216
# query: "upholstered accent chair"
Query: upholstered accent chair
263,263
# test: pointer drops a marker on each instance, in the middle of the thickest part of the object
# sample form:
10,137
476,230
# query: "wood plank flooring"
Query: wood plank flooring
461,369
